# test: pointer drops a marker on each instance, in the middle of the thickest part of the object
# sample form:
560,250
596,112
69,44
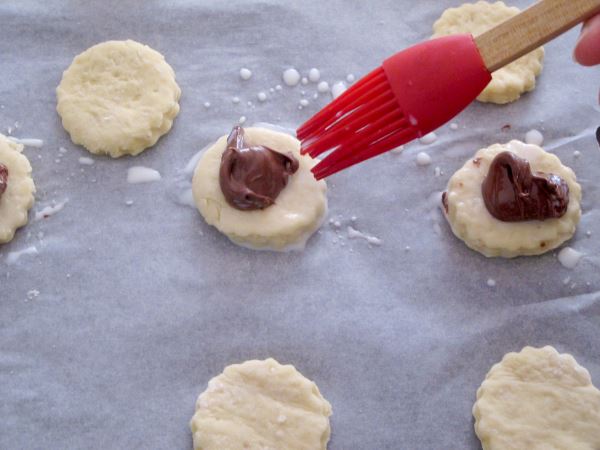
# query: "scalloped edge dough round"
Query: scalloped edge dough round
118,98
298,211
471,221
18,198
538,399
260,405
508,83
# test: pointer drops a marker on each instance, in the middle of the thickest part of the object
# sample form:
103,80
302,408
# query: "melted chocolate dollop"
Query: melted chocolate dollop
3,178
513,194
252,177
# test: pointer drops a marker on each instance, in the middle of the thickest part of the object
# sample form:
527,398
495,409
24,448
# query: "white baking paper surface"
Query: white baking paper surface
140,304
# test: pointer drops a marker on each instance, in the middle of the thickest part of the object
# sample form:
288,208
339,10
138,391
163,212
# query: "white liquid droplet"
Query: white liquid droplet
350,78
314,75
291,77
323,87
245,74
86,161
429,138
569,257
423,159
13,257
338,89
534,137
261,96
141,174
49,210
27,142
355,234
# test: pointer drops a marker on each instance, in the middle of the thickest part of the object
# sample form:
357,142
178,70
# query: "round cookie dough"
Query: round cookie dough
118,98
471,221
298,211
509,82
261,405
538,399
17,199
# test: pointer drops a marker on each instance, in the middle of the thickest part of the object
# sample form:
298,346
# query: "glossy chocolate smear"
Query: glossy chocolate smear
513,194
3,178
252,177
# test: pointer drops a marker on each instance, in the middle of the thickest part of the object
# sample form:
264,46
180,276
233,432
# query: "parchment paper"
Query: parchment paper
139,306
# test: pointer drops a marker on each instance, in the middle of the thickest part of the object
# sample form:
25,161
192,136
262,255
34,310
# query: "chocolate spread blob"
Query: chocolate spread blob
252,177
3,178
513,194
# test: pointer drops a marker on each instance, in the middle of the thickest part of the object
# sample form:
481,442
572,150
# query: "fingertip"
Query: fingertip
587,49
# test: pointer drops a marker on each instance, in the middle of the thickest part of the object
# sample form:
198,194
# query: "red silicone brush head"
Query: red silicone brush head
413,93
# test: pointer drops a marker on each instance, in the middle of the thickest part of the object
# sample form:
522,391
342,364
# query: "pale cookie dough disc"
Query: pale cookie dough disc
261,405
508,83
17,200
471,221
538,399
118,98
298,210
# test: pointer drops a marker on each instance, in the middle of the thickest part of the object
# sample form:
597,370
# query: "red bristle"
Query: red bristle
402,136
360,99
386,125
364,121
363,86
353,121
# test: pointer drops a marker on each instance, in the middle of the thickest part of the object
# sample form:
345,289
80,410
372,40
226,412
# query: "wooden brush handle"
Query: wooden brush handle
531,28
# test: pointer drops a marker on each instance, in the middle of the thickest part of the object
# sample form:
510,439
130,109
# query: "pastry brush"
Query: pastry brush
419,89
